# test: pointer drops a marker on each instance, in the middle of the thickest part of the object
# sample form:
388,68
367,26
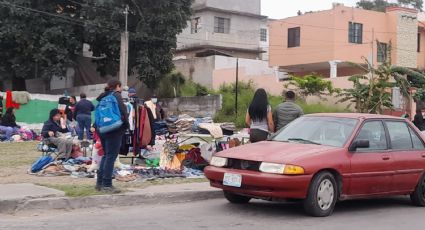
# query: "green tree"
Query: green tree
33,44
371,93
43,37
312,85
417,4
380,5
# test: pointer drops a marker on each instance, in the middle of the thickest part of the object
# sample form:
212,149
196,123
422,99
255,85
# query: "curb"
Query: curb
105,201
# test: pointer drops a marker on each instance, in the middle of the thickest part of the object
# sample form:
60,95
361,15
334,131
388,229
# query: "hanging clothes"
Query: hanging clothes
9,101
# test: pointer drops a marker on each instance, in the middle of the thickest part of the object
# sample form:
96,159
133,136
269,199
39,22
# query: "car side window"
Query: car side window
374,132
417,142
399,135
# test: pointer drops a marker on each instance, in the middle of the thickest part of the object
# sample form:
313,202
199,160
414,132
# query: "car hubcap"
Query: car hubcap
325,194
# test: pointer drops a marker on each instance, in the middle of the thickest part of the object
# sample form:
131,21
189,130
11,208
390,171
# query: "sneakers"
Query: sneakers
110,190
98,187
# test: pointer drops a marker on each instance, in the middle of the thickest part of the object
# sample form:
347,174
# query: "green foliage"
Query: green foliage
380,5
312,85
371,92
175,85
245,94
419,95
44,44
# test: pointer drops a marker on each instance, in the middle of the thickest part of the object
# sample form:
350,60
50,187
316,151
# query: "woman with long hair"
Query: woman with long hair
259,117
111,141
9,119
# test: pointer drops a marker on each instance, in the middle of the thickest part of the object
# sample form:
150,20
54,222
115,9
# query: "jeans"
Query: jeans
8,131
84,122
111,143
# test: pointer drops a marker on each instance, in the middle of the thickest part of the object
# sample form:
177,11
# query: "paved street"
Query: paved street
385,214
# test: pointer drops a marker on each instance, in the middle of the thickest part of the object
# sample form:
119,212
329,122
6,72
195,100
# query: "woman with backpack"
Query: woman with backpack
111,131
259,117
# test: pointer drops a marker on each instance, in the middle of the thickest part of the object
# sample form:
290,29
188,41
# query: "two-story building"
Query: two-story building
231,28
326,41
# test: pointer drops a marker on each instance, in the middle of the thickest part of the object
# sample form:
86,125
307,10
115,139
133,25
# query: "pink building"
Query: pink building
324,41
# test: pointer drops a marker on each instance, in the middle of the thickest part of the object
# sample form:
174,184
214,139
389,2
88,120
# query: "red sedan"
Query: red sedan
324,158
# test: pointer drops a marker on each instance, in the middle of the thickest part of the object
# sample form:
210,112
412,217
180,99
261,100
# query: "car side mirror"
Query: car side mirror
359,144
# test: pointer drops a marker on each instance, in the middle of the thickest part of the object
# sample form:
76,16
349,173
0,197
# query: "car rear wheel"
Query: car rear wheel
322,195
418,196
236,199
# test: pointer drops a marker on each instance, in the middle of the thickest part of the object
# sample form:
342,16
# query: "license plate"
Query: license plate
232,180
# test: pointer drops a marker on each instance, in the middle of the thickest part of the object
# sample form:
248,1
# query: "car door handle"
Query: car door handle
386,157
423,155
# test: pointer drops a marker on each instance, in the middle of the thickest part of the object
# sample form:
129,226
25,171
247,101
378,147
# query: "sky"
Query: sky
278,9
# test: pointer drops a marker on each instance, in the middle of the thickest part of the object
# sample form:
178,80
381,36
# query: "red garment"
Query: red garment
9,101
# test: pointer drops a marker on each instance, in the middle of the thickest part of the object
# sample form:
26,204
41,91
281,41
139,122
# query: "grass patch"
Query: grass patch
74,190
17,154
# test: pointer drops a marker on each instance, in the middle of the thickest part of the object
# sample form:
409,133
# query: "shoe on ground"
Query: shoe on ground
110,190
98,188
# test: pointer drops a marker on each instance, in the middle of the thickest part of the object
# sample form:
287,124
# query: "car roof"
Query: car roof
362,116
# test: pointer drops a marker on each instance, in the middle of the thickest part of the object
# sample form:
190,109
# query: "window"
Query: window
263,35
221,25
417,143
355,33
382,51
194,25
399,135
374,132
329,131
419,42
294,37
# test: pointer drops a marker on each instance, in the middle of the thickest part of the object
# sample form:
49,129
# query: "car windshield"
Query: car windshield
331,131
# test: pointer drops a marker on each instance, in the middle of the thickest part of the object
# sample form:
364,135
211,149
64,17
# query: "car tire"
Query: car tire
236,199
418,196
322,195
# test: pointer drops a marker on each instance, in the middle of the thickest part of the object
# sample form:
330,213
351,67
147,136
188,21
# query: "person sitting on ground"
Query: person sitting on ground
286,112
51,133
9,119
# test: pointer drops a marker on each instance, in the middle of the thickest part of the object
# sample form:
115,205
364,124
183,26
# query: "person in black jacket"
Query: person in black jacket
51,132
9,119
418,120
111,141
82,114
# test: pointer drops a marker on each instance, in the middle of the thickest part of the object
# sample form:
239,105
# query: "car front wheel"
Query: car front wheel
236,199
322,195
418,196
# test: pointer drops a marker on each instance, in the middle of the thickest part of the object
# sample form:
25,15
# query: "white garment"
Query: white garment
131,115
152,106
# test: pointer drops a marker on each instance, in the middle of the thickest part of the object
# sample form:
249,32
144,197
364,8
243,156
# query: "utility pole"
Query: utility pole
237,87
124,51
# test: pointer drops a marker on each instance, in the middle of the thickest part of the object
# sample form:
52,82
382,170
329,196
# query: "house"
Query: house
328,42
324,41
230,28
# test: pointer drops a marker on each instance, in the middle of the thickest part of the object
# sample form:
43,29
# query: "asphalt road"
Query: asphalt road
385,214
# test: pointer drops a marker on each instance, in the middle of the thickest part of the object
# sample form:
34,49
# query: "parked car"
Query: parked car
324,158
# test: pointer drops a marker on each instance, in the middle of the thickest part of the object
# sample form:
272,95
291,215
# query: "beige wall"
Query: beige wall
324,37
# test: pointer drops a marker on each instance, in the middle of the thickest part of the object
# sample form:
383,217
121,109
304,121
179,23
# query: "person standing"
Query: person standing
111,141
287,111
259,117
418,120
83,111
70,109
1,106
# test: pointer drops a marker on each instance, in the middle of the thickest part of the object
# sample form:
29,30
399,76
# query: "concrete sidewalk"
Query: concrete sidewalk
27,197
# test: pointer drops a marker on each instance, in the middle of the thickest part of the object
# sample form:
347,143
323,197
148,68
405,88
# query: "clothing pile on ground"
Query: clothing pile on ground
18,134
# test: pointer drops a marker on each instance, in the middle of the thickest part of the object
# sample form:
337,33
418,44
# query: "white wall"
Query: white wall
248,6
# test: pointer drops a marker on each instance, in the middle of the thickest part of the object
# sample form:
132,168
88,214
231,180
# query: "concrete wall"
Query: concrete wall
199,70
244,32
407,38
248,6
193,106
